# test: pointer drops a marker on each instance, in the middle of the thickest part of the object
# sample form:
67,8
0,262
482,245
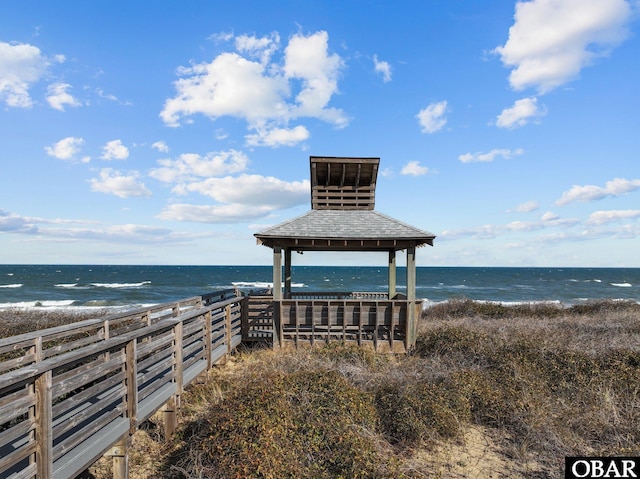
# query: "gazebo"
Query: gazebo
343,218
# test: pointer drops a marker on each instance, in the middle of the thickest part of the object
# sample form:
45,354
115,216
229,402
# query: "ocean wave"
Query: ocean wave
15,285
621,285
71,286
121,285
262,284
65,303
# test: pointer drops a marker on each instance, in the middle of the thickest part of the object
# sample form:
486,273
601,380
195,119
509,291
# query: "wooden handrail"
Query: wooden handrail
62,412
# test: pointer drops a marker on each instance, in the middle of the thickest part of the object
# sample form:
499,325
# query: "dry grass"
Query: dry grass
14,321
490,391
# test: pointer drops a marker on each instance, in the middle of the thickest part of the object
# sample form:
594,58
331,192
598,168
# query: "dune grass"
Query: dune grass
489,391
537,383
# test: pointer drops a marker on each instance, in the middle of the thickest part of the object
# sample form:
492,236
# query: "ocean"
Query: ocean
128,286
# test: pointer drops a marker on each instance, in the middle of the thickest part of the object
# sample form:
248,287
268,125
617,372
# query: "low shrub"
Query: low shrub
307,424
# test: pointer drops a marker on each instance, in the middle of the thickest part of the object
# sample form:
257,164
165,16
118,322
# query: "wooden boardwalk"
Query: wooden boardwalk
70,394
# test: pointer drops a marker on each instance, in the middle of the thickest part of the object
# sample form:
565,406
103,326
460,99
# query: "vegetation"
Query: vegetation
14,321
490,391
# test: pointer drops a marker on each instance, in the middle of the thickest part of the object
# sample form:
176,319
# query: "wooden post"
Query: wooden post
207,338
179,363
170,408
392,274
277,273
287,273
36,349
411,297
277,294
227,327
277,324
120,457
170,417
244,321
131,374
43,426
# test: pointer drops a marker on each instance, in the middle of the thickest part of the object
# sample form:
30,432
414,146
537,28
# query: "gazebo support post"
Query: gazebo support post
277,294
287,273
392,274
411,297
277,273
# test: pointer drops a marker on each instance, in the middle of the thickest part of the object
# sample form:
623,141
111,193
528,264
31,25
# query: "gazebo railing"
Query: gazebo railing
338,295
352,317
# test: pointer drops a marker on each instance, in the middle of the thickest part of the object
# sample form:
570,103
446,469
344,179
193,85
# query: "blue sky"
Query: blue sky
170,132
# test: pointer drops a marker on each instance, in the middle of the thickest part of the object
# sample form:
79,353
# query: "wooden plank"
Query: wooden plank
70,346
156,371
15,404
152,403
76,420
79,458
69,407
194,370
10,459
156,344
78,377
82,435
18,440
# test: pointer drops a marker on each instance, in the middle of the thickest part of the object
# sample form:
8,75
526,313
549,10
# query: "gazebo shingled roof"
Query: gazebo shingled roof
342,217
344,230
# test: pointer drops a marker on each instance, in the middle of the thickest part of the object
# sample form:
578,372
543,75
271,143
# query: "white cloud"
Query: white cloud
190,166
58,96
615,187
552,40
307,59
77,230
255,190
383,68
431,118
115,183
491,231
115,150
234,213
414,168
20,66
262,48
260,92
13,223
520,113
490,156
602,217
278,136
66,148
160,146
229,85
526,207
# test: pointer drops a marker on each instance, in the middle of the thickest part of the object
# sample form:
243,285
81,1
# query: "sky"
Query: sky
169,132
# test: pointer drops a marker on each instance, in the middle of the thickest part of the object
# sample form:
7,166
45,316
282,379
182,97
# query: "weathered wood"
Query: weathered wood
43,423
104,388
120,458
83,428
131,374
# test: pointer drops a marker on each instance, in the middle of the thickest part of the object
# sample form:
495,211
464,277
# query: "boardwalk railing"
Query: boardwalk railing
316,318
70,394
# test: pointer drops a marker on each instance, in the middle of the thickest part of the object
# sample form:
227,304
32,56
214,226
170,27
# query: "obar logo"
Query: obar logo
601,467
